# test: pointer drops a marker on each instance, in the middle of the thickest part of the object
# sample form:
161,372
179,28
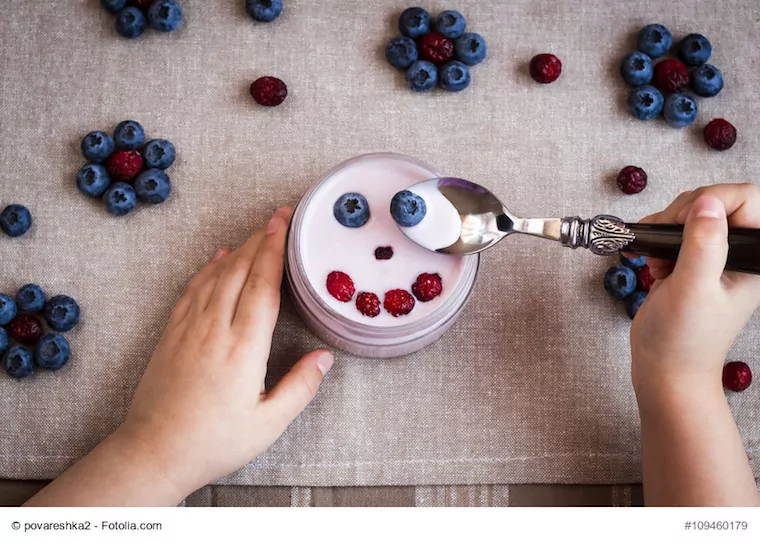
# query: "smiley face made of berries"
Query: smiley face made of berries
352,210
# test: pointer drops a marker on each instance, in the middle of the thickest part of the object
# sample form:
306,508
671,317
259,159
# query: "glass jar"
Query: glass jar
320,312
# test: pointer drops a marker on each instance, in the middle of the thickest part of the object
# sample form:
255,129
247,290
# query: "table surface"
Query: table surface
530,386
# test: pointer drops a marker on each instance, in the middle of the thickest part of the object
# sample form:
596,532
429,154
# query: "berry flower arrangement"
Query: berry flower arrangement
24,344
133,17
124,169
671,86
435,52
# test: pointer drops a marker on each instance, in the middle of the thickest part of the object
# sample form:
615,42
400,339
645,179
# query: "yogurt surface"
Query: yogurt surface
327,246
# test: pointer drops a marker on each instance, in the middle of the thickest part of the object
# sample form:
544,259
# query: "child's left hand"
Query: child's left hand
201,404
201,411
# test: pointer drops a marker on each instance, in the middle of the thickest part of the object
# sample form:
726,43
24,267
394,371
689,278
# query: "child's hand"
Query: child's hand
201,409
685,328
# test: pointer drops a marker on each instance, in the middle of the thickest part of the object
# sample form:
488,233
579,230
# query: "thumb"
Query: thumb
704,249
296,390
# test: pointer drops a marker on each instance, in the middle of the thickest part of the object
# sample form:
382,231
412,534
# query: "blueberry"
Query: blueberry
407,209
19,362
655,40
153,186
414,22
707,80
401,52
97,146
351,210
694,49
61,313
619,282
113,6
93,180
422,76
120,199
130,23
634,301
129,135
680,110
52,352
450,24
264,11
636,69
645,103
15,220
5,342
635,263
454,76
8,309
159,154
470,48
30,298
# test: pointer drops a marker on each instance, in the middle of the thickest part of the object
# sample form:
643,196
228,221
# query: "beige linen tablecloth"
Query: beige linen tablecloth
531,386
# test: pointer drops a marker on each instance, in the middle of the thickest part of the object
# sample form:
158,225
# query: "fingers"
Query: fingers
226,293
182,308
741,201
703,253
259,303
296,390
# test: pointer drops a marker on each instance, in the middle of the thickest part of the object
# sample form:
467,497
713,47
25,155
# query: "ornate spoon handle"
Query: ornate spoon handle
606,235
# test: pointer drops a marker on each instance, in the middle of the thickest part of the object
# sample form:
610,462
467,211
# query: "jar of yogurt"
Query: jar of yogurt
376,259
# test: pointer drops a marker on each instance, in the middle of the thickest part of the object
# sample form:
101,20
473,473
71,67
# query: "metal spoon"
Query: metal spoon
485,222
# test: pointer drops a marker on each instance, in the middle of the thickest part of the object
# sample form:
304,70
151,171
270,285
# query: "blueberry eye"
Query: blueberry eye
351,210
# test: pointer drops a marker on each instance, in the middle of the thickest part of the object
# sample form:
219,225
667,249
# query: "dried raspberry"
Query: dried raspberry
124,165
737,376
269,91
645,279
436,48
368,304
398,302
142,4
545,68
340,286
25,328
632,180
427,286
720,134
671,76
384,253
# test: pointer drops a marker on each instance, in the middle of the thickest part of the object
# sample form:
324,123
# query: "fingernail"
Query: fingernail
325,361
218,254
274,224
708,207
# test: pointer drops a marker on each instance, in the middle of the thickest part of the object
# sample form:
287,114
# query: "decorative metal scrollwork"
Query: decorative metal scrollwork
602,235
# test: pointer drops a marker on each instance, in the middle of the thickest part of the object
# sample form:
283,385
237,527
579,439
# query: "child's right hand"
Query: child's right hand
682,333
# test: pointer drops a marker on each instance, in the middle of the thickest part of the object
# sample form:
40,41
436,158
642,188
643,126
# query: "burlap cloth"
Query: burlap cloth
532,385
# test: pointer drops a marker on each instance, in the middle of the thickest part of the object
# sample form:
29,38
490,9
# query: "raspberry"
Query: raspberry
436,48
737,376
632,180
269,91
398,302
384,253
720,134
671,76
124,165
645,279
340,286
142,4
545,68
368,304
25,328
427,286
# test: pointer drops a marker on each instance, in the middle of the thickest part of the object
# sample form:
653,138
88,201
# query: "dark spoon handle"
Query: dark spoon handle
664,241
